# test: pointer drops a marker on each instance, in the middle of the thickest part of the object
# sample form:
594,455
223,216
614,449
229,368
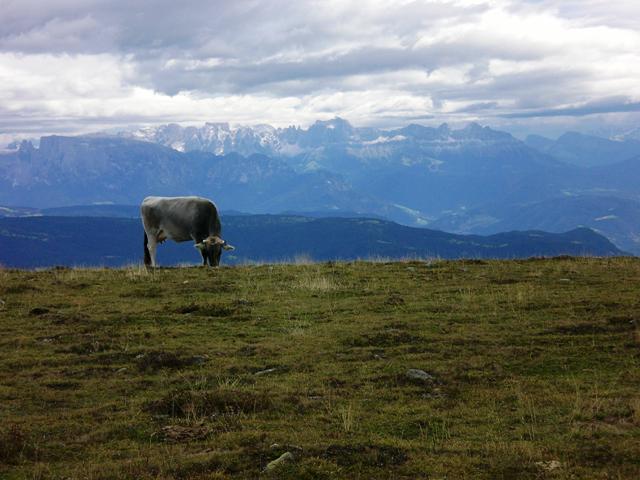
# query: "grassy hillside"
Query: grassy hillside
450,369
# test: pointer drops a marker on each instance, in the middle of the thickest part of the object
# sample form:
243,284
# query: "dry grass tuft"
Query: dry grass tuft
314,280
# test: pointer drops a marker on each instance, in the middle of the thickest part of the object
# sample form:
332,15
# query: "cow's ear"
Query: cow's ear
200,246
226,246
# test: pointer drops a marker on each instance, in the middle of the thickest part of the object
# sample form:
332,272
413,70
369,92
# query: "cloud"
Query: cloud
608,105
75,64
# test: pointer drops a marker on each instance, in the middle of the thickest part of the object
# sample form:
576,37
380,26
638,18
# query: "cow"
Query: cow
182,219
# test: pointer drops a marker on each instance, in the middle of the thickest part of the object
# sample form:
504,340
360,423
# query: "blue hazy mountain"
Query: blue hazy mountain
87,170
586,150
616,218
29,242
422,170
415,175
408,175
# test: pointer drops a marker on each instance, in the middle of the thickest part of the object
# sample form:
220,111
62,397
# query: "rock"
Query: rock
419,375
199,359
286,457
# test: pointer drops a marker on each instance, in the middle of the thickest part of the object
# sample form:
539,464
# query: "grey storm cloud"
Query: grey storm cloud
255,43
362,61
409,59
608,105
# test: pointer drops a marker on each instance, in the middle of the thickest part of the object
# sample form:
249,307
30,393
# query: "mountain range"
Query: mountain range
29,242
586,150
469,180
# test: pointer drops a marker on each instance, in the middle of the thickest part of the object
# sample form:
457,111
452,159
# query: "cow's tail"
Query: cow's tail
147,255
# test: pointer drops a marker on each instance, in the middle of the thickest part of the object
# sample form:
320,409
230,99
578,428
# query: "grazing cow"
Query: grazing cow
182,219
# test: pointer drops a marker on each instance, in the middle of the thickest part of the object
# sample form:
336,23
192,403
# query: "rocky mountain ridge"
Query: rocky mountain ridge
415,175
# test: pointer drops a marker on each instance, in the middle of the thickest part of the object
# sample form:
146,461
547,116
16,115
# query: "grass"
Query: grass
195,373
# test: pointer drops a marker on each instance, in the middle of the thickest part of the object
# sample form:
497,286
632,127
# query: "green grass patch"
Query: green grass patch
456,369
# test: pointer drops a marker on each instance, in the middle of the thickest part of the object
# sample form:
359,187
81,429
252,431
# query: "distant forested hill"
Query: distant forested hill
30,242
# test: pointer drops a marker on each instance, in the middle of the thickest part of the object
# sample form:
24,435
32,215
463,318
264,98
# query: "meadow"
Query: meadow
525,369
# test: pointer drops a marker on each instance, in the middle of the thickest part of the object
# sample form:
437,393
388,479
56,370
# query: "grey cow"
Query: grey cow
182,219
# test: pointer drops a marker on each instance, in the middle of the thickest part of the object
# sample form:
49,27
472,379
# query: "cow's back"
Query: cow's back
181,218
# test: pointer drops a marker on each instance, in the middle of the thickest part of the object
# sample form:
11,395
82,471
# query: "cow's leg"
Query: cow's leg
204,257
198,237
147,256
152,245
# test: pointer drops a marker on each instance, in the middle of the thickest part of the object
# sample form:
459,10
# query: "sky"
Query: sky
527,66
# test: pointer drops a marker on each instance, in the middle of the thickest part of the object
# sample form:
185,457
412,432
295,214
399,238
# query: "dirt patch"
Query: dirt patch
208,310
153,361
622,323
89,372
545,259
243,303
50,339
424,387
147,292
474,261
505,281
190,308
63,385
210,403
67,318
336,383
21,288
510,466
247,351
37,311
216,311
15,445
184,433
579,329
370,455
594,454
394,299
561,258
388,338
86,348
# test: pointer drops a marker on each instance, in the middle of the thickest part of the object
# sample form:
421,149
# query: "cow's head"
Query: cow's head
211,248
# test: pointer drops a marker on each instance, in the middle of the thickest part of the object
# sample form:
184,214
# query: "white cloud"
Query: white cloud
76,65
